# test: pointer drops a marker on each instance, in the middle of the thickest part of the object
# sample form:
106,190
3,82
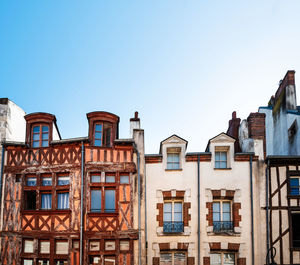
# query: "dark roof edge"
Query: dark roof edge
70,140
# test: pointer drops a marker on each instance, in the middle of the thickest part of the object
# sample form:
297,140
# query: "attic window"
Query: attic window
40,136
173,158
221,157
102,134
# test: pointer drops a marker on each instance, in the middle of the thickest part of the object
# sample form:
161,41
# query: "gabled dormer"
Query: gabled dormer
41,129
103,128
222,149
173,151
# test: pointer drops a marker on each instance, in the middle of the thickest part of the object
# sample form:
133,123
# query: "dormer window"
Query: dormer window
102,134
40,136
221,157
173,158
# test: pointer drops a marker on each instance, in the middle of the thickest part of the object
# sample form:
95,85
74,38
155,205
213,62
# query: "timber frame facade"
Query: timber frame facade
283,208
42,205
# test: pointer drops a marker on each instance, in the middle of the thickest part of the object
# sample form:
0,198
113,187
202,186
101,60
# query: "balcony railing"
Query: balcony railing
173,227
223,226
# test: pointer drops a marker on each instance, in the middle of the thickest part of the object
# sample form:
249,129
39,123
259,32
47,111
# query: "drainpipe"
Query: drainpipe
146,235
139,202
81,204
252,221
267,210
198,180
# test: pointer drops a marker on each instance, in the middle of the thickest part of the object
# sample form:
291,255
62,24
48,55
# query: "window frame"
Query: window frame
40,134
173,255
290,187
222,256
220,160
104,186
104,141
170,165
221,202
173,222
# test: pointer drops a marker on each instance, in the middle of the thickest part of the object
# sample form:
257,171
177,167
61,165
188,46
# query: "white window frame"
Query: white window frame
222,257
221,209
173,255
173,210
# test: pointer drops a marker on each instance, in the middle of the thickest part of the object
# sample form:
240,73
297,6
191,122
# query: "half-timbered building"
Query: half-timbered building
73,201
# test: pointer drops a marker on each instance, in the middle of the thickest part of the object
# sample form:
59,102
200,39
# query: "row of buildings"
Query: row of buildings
101,200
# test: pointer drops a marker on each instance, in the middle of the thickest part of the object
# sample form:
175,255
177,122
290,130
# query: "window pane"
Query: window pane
124,245
96,200
168,207
30,200
216,207
45,136
110,201
215,259
294,184
217,156
43,262
179,258
124,179
177,212
47,181
45,129
167,217
165,259
296,230
63,180
62,247
223,156
110,179
177,207
217,164
109,261
98,143
96,178
36,144
98,127
45,247
107,133
31,181
36,137
223,165
98,135
177,217
226,217
46,201
228,259
45,143
63,200
94,245
226,207
110,245
216,217
28,262
28,246
36,129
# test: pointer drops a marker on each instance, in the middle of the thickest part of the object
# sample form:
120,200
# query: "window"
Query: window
222,216
124,245
27,262
94,260
124,179
31,181
30,200
222,259
61,262
220,159
62,192
110,245
294,186
109,260
40,136
46,201
173,217
63,180
102,134
43,262
296,229
28,246
45,247
94,245
62,248
173,258
103,195
47,181
62,200
173,161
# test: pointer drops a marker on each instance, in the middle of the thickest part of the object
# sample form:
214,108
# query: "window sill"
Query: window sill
179,169
102,214
228,168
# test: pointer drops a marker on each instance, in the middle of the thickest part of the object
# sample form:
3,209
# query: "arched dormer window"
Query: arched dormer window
41,129
103,128
40,135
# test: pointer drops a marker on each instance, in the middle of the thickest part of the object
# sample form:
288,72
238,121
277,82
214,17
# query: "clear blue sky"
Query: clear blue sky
184,65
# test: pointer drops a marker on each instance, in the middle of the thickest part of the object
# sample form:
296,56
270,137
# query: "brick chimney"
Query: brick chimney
233,131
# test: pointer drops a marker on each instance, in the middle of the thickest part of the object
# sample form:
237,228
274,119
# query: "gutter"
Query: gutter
198,180
81,204
252,221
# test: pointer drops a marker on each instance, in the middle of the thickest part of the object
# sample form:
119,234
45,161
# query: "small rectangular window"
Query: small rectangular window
63,200
110,201
96,178
46,201
28,246
98,135
222,258
296,229
110,179
110,245
94,245
94,260
109,260
76,244
30,200
28,262
294,186
18,178
124,179
96,201
63,180
31,181
124,245
47,181
61,262
222,221
45,247
62,247
43,262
